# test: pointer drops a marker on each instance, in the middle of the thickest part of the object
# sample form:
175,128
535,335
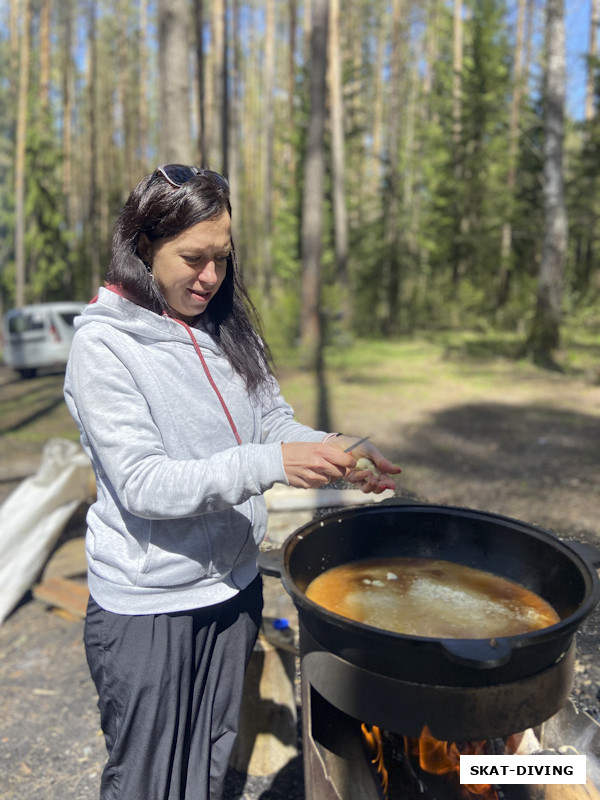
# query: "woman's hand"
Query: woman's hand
314,464
372,471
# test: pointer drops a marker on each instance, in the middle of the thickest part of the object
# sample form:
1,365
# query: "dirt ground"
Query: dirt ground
527,449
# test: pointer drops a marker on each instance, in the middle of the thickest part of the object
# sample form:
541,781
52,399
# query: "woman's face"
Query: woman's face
190,268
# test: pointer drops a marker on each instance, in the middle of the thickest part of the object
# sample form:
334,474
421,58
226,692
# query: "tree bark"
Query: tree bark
268,149
340,214
222,77
457,67
392,276
175,134
143,148
68,100
592,56
544,338
217,80
93,205
462,222
44,93
20,153
122,98
377,113
233,160
513,149
201,78
312,201
289,153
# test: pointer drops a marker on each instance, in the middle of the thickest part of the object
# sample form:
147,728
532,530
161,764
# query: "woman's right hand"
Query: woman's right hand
313,464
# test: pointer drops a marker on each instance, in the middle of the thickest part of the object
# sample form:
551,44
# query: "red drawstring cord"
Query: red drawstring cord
117,290
210,377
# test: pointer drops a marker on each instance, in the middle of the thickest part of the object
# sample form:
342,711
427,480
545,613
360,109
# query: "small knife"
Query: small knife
360,441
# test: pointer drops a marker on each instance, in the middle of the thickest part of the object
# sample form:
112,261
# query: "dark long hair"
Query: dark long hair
159,211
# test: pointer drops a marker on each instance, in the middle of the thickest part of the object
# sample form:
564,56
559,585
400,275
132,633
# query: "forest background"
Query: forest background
396,166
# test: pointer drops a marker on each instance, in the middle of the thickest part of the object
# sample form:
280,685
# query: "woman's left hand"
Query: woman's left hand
373,471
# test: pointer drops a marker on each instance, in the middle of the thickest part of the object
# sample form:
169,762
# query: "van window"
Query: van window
26,322
69,316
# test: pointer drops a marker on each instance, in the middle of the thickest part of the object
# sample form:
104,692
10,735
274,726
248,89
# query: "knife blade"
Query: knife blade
360,441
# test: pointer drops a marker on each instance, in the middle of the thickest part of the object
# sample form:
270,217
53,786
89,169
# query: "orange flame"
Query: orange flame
440,758
374,741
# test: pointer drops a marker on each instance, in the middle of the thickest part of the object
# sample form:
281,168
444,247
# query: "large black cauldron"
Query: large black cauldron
506,547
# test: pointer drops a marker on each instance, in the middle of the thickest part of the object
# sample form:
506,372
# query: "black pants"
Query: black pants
169,692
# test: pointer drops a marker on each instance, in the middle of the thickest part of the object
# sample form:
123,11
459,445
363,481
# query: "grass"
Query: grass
372,378
366,380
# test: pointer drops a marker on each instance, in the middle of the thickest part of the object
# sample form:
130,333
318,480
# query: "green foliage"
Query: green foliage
47,240
451,194
583,203
470,197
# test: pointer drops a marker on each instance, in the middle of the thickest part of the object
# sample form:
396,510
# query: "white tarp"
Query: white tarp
34,515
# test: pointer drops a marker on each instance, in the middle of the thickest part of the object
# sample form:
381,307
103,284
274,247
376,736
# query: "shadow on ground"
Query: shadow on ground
532,462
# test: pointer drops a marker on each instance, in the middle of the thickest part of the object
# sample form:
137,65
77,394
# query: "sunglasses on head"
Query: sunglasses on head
178,174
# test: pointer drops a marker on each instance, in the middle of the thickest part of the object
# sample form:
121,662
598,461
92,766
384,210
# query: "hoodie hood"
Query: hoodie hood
112,308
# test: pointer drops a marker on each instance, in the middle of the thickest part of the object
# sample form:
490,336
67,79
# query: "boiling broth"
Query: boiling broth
430,597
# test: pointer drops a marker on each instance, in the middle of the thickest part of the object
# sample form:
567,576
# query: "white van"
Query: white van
39,336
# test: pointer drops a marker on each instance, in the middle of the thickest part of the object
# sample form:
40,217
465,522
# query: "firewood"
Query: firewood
63,593
67,561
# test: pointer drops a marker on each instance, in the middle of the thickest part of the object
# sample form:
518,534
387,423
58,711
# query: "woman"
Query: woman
170,386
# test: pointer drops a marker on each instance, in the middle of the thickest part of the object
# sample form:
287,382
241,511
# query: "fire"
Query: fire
374,742
439,758
436,757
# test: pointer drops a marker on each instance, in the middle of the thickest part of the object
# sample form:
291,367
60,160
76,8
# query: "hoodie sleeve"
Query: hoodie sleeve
278,423
120,435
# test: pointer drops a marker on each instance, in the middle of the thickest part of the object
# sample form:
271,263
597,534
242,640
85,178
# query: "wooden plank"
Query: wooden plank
289,498
63,593
67,561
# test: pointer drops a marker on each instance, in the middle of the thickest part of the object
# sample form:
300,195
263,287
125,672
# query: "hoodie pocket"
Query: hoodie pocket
178,552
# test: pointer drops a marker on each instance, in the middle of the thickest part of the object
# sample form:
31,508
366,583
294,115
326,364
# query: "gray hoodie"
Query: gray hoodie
179,513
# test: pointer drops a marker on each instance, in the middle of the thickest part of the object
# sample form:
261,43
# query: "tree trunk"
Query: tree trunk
175,135
251,146
392,277
68,95
544,338
340,215
44,57
513,149
217,80
234,74
462,223
201,78
307,22
93,205
222,77
377,113
431,54
289,153
122,98
312,200
592,64
268,150
20,153
457,59
529,34
143,149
